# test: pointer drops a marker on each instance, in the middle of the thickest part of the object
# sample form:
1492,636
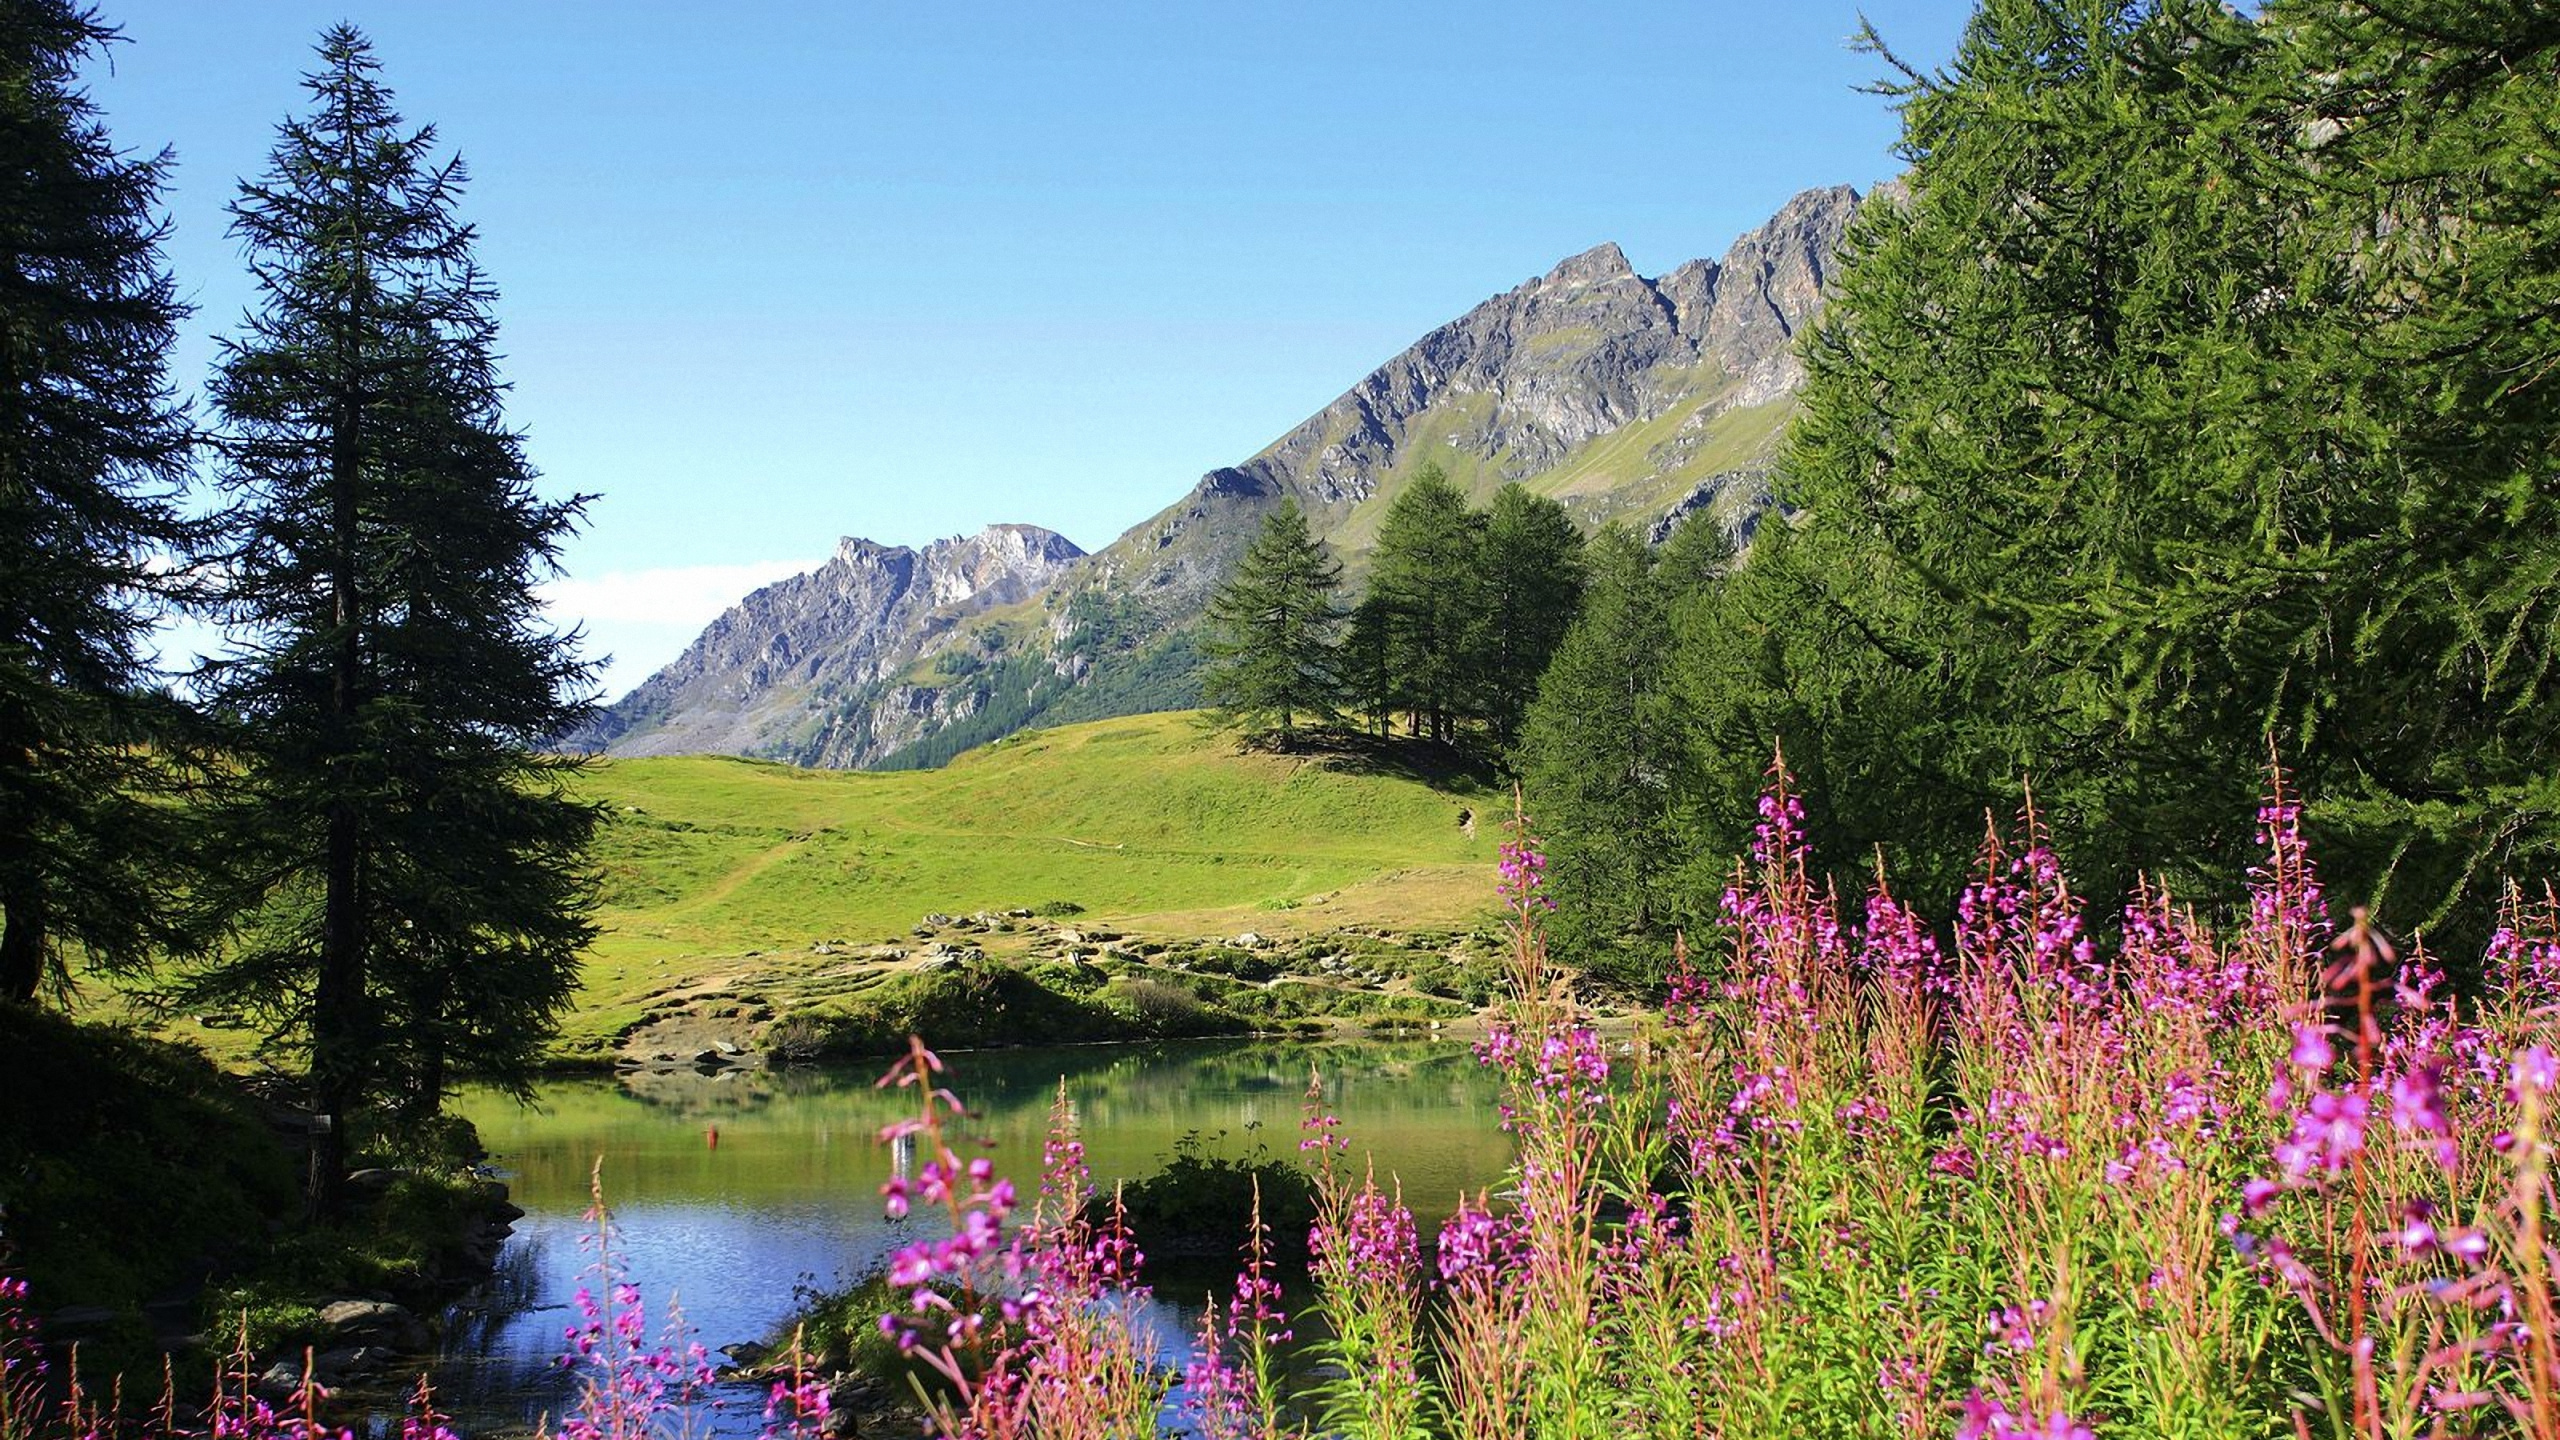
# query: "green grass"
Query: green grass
1151,823
125,1163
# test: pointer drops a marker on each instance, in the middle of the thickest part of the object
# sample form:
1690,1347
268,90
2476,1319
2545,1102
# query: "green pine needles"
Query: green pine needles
406,862
93,452
1272,625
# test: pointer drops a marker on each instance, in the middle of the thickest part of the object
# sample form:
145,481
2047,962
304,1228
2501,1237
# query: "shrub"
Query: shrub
1235,962
1200,1202
1162,1009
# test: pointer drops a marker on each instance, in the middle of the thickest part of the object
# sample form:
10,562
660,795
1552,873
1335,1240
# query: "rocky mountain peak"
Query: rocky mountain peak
1623,397
857,620
1602,264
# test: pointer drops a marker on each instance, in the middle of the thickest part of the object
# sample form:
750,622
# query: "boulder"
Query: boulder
350,1362
81,1322
356,1324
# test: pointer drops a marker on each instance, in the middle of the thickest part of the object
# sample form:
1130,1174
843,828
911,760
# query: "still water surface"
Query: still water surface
729,1191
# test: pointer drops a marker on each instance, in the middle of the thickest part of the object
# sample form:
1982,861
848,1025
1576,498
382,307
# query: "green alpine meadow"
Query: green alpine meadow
1940,825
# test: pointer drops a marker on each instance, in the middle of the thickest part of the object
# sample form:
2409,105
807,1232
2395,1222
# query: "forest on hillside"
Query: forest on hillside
2190,412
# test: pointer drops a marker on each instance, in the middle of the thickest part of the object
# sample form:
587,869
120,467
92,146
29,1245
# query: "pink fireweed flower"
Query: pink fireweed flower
1481,1248
1988,1419
1524,876
1954,1160
2326,1135
2534,1069
1376,1238
1573,1066
2311,1048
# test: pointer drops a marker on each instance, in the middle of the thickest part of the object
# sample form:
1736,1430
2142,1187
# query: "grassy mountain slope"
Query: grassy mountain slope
1626,398
719,867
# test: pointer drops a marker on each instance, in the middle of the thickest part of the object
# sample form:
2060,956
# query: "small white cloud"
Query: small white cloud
668,595
637,620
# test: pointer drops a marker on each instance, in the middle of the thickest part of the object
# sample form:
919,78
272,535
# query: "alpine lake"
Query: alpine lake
729,1192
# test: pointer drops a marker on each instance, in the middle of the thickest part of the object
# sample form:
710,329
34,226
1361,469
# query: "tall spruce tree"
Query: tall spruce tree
419,895
2195,404
2018,424
1528,586
92,456
1598,767
1272,661
1423,581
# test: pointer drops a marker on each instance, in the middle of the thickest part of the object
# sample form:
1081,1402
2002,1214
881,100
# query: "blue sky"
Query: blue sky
776,273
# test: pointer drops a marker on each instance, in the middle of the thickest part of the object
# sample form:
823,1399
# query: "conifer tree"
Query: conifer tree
1421,579
1528,585
92,456
1597,765
414,895
2193,406
1271,649
2014,428
1368,681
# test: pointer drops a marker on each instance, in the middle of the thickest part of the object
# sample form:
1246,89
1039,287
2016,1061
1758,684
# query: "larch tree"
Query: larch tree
406,865
1598,765
1271,651
1368,677
2019,426
93,455
1528,586
1422,579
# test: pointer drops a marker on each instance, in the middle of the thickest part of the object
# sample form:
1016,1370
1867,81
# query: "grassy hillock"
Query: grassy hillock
125,1164
1148,828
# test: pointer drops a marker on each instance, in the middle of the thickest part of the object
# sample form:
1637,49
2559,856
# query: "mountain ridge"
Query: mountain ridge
1625,398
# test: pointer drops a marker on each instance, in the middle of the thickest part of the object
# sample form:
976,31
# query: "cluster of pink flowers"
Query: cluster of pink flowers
1989,1419
1523,883
1479,1246
1375,1236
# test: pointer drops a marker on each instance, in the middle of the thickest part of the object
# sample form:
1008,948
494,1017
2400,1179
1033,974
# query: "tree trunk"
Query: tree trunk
337,1018
337,1000
22,937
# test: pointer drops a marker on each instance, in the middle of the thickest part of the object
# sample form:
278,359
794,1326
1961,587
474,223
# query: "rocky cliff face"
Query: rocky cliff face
1624,397
1652,401
756,681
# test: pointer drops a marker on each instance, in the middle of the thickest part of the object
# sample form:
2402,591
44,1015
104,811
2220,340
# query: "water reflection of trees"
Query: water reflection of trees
1424,1105
998,1081
483,1374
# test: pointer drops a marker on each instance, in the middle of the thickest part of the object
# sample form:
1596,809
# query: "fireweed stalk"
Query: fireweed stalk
1556,1103
1367,1269
630,1388
1231,1388
1867,1179
1060,1361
